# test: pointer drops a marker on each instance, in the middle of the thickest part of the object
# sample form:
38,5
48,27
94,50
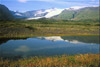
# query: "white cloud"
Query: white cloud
62,2
37,0
45,0
22,49
23,1
51,1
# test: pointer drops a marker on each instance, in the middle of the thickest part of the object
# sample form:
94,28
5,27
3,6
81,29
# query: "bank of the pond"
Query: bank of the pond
31,28
29,36
82,60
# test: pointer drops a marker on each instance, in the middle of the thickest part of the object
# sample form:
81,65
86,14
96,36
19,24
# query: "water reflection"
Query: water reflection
73,39
48,46
22,48
84,39
4,40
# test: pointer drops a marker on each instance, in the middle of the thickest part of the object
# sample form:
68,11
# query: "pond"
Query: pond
48,46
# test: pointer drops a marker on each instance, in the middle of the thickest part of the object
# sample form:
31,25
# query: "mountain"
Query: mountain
17,14
72,13
66,14
5,13
52,12
86,13
36,14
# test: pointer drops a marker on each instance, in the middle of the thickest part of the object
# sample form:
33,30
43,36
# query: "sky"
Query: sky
27,5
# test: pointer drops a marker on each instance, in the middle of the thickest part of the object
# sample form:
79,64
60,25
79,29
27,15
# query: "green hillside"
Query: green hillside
88,13
66,14
5,14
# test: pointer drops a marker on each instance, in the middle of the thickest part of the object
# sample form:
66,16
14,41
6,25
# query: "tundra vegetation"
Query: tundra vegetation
48,27
82,60
29,28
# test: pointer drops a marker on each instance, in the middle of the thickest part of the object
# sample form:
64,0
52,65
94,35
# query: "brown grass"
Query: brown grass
86,60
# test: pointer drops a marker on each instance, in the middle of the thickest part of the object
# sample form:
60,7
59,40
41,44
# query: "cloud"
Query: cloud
63,2
22,49
37,0
50,1
23,1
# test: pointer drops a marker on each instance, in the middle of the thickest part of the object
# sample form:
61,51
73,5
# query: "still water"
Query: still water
48,46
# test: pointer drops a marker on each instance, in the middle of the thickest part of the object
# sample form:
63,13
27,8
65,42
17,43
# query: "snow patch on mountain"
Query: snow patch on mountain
18,14
45,13
34,18
75,7
53,12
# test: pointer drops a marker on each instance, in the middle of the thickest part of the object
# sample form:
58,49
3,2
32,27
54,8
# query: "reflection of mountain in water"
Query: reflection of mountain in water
85,39
52,38
4,40
73,39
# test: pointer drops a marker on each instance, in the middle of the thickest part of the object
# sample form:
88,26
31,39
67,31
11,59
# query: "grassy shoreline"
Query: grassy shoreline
81,60
27,36
24,29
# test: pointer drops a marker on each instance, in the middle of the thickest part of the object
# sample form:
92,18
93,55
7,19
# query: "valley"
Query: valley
69,21
37,28
52,37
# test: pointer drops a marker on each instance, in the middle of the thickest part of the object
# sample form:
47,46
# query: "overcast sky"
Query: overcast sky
26,5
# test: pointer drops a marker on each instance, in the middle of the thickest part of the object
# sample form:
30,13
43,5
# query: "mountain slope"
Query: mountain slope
35,13
87,13
73,13
17,14
5,13
48,13
66,14
53,12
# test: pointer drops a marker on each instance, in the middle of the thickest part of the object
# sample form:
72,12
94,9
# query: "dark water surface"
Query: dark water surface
48,46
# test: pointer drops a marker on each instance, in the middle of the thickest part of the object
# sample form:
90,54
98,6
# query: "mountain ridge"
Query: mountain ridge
72,13
5,13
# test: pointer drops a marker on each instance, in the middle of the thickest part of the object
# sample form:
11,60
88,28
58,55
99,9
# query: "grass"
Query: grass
22,29
40,28
82,60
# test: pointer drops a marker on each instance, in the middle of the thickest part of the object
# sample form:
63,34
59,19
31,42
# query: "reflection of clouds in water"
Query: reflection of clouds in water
74,41
52,38
22,49
58,38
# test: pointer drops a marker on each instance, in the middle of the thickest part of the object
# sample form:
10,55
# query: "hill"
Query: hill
87,13
5,13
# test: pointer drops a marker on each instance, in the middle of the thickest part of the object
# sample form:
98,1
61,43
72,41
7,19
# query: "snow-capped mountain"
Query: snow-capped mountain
53,12
17,14
75,8
47,13
42,13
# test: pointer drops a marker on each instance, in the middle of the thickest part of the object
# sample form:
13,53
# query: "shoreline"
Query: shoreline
30,36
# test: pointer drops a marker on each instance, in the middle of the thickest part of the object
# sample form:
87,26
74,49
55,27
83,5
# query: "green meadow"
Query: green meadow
47,27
